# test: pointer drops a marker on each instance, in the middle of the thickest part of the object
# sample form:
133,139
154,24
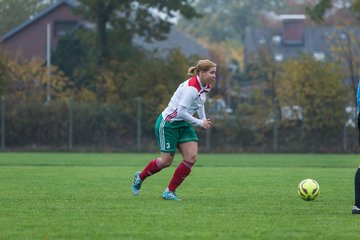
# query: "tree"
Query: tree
315,86
344,42
227,20
155,82
24,80
69,54
117,22
356,7
223,26
269,71
318,11
345,48
146,18
29,79
266,69
4,73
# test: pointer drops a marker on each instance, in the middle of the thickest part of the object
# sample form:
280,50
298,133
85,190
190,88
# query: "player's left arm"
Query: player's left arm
201,112
187,99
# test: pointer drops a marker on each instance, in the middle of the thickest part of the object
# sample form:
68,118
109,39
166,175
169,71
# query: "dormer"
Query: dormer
293,29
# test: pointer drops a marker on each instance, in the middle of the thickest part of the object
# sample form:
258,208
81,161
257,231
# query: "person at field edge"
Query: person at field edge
174,128
356,207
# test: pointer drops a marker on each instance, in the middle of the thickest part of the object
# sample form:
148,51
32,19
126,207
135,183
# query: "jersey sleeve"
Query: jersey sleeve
188,97
201,112
186,116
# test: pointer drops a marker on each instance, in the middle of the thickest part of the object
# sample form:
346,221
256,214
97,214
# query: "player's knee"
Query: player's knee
192,158
166,161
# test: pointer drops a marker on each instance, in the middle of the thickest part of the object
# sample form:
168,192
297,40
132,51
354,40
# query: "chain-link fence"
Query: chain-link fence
129,127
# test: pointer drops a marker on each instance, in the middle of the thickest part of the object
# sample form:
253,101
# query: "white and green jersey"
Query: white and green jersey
188,98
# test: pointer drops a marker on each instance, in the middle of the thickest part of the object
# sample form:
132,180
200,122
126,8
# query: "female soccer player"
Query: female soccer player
356,207
174,128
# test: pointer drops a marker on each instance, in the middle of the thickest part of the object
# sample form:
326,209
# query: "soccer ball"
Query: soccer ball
308,189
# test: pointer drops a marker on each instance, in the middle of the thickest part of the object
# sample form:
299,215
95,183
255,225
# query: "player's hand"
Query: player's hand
207,124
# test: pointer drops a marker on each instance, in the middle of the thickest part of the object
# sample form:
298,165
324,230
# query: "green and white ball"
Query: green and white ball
308,189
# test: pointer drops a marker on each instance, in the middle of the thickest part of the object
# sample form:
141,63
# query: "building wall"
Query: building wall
31,41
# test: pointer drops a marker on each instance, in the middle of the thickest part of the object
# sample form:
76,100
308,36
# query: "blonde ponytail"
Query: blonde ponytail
191,71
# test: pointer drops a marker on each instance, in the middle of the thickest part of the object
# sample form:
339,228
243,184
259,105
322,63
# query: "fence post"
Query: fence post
276,126
3,123
345,133
208,131
138,135
208,139
70,107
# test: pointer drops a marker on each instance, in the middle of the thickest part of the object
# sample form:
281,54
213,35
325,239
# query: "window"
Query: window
276,39
319,56
278,57
64,27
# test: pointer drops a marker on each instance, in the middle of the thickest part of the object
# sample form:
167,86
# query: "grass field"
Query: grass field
227,196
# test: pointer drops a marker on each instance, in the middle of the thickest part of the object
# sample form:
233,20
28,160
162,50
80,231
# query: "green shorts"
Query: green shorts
171,134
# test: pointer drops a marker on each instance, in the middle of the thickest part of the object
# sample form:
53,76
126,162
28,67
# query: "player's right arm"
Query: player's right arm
188,97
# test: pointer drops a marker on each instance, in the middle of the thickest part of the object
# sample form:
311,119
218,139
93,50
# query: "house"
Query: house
290,40
294,37
175,40
32,37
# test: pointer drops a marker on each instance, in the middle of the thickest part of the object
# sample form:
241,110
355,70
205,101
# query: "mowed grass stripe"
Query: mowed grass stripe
204,160
253,199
